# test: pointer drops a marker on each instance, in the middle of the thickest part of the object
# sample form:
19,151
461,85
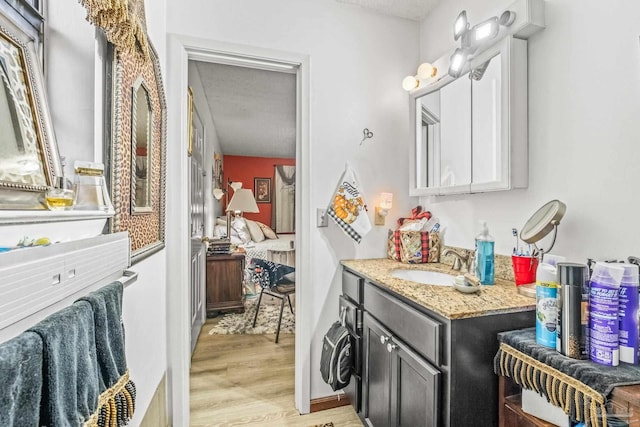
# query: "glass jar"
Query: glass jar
60,197
90,187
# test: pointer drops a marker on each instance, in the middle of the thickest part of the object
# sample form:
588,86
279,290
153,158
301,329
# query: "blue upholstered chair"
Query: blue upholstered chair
277,280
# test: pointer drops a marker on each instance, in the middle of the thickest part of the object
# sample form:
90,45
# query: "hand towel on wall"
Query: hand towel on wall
117,399
347,207
21,384
70,386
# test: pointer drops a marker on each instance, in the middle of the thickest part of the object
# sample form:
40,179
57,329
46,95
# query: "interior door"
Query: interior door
198,255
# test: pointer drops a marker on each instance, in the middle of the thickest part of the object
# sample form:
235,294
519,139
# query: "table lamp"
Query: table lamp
242,201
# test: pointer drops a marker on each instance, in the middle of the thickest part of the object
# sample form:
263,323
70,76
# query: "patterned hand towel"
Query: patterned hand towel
70,368
117,399
21,384
347,207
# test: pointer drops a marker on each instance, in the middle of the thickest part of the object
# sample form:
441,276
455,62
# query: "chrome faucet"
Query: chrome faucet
461,261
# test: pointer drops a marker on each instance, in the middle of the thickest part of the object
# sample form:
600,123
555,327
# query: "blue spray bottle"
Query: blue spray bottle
485,263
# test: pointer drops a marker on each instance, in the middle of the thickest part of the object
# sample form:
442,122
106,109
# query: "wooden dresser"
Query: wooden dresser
225,274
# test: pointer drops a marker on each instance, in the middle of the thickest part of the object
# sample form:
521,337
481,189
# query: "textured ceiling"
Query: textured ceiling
254,111
410,9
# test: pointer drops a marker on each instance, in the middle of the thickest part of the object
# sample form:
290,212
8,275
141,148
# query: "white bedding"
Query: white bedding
259,250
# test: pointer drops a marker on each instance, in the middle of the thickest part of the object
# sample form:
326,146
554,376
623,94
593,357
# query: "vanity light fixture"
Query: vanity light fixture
457,62
473,39
485,30
461,25
386,201
425,71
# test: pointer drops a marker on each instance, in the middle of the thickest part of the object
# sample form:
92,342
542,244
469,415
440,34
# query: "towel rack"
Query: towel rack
39,281
128,277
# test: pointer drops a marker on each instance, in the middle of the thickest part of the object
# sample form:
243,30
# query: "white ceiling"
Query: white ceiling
410,9
254,110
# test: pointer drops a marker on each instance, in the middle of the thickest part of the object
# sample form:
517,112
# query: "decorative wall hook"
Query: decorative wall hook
367,134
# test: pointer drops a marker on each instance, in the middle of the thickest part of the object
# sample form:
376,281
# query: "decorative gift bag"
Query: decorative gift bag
413,247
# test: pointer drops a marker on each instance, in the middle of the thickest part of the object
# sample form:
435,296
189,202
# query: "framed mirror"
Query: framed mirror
135,150
471,132
141,139
29,159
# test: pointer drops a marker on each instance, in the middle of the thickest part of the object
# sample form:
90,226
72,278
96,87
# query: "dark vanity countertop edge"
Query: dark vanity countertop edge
432,311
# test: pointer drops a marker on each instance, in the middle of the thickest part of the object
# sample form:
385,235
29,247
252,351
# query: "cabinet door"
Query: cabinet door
415,388
455,136
377,372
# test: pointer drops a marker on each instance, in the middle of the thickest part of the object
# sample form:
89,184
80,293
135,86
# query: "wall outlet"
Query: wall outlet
322,219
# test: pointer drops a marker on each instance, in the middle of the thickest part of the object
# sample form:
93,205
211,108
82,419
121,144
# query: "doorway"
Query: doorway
180,50
249,118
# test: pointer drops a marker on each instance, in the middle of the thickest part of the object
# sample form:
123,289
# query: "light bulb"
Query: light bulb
409,83
426,71
457,62
486,30
461,25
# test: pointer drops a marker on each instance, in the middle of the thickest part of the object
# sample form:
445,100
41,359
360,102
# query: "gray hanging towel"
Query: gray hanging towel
21,384
70,368
117,399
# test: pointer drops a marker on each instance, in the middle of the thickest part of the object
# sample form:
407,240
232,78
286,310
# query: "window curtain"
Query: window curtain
284,195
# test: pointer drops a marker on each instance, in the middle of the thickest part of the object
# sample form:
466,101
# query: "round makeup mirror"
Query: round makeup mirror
542,222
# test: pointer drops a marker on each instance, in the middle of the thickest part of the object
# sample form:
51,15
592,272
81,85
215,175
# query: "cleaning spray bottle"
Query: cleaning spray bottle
546,300
485,263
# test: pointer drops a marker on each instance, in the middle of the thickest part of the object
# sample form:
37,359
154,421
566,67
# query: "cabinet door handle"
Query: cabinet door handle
391,347
383,339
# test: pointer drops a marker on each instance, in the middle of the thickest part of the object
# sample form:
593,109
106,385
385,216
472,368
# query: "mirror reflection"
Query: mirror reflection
141,150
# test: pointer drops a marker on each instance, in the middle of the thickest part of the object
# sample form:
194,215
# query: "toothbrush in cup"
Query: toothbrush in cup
514,232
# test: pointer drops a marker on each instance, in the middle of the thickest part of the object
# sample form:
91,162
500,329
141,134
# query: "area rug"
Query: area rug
240,323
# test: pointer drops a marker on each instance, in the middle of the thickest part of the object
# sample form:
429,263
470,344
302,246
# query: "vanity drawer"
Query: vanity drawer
418,330
352,286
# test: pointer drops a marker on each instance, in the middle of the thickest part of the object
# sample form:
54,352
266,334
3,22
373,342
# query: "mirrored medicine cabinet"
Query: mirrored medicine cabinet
471,131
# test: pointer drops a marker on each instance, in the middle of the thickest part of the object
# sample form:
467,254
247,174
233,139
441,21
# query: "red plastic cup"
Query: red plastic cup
524,269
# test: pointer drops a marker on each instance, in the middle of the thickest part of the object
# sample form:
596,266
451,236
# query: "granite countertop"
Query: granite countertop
444,300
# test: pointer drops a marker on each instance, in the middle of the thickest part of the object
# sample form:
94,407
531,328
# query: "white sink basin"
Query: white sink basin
426,277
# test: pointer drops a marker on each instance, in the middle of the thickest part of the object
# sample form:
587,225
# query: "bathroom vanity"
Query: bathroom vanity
427,351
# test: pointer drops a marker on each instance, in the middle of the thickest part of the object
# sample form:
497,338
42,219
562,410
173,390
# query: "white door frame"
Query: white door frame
180,49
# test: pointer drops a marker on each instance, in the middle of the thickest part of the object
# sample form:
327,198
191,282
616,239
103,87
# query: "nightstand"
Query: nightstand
225,274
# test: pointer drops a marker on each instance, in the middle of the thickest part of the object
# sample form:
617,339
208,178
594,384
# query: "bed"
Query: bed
257,239
259,250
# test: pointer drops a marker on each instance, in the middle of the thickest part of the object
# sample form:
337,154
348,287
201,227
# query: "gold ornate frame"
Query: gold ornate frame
146,229
27,171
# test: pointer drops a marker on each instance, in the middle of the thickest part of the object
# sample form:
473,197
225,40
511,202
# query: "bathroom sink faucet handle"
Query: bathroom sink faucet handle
460,260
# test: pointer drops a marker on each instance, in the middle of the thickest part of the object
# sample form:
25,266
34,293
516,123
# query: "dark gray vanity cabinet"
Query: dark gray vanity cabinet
401,388
420,368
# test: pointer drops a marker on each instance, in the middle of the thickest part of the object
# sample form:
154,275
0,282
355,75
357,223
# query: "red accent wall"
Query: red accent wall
245,169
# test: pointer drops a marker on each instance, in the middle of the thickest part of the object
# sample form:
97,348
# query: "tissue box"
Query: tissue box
537,405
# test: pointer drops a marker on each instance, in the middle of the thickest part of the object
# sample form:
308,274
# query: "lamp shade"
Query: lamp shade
244,201
218,193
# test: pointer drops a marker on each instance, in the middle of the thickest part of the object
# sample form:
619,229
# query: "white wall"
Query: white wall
213,207
71,86
70,75
358,60
584,104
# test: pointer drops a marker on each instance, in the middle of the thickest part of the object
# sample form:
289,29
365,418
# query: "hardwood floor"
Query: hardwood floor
247,380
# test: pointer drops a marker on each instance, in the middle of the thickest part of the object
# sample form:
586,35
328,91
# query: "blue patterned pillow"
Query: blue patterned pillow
268,274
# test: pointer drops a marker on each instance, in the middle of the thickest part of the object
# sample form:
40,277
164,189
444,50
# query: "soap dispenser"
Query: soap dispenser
485,263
